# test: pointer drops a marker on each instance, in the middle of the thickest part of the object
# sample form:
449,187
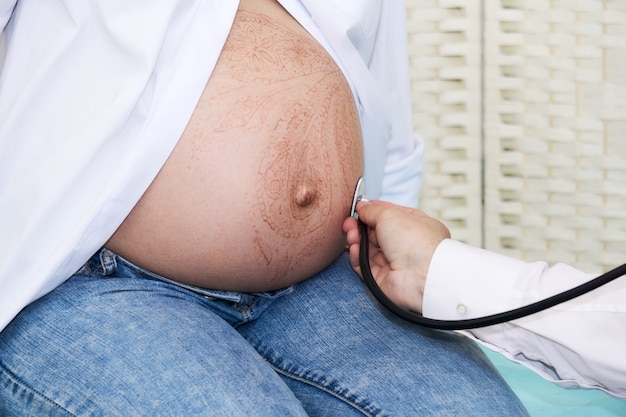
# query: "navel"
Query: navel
305,195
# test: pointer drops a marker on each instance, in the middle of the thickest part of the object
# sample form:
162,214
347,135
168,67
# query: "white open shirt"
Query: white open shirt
95,94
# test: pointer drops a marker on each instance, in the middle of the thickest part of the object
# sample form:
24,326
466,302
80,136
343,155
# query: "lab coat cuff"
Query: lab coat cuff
465,282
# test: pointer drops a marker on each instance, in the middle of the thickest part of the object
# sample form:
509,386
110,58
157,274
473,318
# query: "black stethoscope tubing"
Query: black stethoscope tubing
480,321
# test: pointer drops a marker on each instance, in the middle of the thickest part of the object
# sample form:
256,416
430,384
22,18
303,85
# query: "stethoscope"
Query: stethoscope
467,323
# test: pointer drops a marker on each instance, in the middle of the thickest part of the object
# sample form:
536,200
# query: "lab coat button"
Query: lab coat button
461,309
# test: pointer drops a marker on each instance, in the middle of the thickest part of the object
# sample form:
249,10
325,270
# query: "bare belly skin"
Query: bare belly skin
253,195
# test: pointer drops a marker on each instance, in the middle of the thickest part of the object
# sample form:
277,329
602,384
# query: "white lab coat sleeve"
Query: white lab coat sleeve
578,343
389,67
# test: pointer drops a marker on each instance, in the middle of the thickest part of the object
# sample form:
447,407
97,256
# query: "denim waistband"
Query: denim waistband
106,262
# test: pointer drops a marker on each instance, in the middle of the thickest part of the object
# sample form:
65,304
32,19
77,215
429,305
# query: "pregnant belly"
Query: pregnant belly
253,196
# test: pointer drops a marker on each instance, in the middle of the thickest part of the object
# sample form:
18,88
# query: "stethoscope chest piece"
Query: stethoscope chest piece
359,194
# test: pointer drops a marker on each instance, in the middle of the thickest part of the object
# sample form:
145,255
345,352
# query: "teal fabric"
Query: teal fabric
545,399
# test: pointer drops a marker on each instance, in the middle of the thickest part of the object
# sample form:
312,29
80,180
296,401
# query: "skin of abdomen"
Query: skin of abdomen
253,196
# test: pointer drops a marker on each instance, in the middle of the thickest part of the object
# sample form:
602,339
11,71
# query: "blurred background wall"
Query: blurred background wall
522,105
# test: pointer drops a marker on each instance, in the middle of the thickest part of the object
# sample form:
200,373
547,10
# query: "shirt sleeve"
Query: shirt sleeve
577,343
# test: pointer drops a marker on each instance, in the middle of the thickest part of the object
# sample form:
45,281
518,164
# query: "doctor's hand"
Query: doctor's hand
402,242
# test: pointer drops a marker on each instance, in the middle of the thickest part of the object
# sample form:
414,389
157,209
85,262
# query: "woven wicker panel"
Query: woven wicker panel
555,130
444,52
549,120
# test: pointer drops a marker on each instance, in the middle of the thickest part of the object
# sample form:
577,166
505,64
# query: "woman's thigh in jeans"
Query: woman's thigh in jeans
125,347
339,350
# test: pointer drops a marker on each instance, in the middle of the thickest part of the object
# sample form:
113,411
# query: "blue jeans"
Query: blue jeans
116,340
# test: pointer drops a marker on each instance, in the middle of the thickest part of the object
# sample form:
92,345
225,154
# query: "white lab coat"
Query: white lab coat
578,343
